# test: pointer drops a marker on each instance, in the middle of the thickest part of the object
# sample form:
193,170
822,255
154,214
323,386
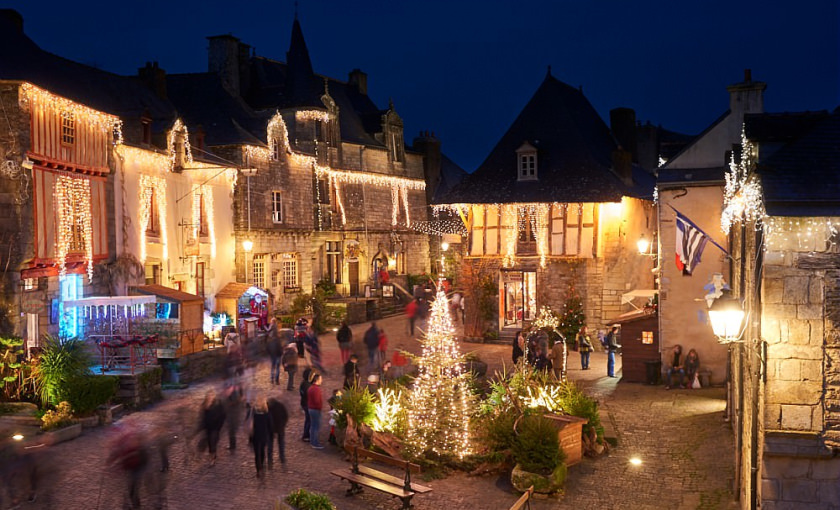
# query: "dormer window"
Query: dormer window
526,157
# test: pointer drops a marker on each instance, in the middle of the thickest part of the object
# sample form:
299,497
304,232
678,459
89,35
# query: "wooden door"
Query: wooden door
353,275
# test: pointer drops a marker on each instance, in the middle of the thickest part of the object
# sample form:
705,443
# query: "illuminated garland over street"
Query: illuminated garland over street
440,401
743,199
31,95
72,206
150,185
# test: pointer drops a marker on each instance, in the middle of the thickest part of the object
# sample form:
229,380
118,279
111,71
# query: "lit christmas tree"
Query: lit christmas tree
440,402
573,317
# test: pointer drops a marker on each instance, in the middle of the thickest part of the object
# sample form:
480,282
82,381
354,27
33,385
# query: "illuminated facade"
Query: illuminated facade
556,205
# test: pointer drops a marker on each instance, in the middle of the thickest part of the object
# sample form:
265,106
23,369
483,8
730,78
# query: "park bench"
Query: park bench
524,501
365,476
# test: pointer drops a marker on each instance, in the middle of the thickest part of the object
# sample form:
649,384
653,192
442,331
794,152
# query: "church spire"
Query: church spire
302,87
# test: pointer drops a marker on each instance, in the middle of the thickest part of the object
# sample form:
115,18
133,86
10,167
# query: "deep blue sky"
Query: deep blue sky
464,69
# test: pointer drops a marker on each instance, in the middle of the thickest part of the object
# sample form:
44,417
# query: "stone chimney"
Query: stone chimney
429,145
623,165
747,96
228,58
154,78
358,79
12,19
623,126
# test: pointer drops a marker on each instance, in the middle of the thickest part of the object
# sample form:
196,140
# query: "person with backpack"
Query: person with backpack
290,364
612,347
275,350
585,346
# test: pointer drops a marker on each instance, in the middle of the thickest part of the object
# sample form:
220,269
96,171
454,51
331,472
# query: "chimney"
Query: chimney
623,165
429,145
244,69
12,18
358,79
154,78
623,126
223,59
747,96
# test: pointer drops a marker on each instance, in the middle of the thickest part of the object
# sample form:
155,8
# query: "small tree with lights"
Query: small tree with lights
440,403
572,318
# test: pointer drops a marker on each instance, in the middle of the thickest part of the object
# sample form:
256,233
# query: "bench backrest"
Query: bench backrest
356,452
524,501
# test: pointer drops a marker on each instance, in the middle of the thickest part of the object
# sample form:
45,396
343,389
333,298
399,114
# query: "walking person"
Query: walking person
372,343
315,403
290,365
211,422
304,392
411,313
585,346
351,372
383,346
234,404
558,358
518,346
313,346
300,335
612,347
275,350
130,452
262,430
344,335
279,419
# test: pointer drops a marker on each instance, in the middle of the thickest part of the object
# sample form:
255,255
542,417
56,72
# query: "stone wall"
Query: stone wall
799,473
199,365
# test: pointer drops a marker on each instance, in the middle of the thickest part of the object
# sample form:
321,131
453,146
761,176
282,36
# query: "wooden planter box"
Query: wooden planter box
570,434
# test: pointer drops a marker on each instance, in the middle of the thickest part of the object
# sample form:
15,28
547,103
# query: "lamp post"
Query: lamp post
726,315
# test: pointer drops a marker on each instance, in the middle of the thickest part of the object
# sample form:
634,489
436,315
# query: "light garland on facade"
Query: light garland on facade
440,227
340,201
440,402
72,206
508,217
178,129
149,186
303,115
31,95
806,234
743,199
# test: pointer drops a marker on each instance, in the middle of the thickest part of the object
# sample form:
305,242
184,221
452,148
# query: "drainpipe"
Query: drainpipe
756,375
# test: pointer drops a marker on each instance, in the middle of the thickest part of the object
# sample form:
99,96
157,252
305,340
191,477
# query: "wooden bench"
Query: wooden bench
524,501
365,476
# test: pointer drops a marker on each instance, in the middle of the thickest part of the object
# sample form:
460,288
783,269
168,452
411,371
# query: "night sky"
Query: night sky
464,69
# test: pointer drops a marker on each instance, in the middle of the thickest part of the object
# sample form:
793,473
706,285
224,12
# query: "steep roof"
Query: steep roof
451,174
801,178
22,59
574,155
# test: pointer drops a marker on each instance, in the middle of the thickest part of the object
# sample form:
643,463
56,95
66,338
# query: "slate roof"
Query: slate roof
21,59
671,177
802,178
574,156
451,174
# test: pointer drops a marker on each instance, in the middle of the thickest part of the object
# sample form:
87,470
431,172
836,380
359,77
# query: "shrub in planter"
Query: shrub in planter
59,363
537,447
356,402
302,499
497,430
576,403
61,416
86,393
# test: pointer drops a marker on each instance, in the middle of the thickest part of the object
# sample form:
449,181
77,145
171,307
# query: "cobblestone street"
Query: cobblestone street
680,436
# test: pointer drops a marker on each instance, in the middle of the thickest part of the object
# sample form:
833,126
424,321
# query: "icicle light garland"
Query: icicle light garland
72,206
149,186
440,402
802,234
178,129
743,199
31,95
509,217
322,116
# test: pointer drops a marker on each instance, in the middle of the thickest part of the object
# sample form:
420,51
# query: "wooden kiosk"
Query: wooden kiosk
183,313
639,341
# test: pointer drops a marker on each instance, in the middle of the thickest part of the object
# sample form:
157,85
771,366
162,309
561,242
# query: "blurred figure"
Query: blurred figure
129,452
304,393
455,306
411,313
300,334
383,346
262,430
518,346
333,413
344,335
23,471
314,347
386,375
279,419
290,365
351,372
233,402
315,403
372,343
211,421
275,350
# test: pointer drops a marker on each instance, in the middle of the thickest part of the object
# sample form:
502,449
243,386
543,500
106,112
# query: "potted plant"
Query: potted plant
539,460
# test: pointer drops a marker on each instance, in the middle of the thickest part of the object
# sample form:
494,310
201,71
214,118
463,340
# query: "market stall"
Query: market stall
244,304
639,339
178,316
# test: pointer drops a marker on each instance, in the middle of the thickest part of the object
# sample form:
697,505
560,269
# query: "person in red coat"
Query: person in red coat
411,313
315,402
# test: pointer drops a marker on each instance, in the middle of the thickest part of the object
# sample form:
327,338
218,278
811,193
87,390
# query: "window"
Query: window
647,337
68,128
527,162
573,230
77,237
199,278
259,271
290,272
333,250
202,218
275,278
154,215
275,149
147,130
397,149
277,206
152,274
30,284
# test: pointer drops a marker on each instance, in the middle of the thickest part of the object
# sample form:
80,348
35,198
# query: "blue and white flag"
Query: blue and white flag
690,243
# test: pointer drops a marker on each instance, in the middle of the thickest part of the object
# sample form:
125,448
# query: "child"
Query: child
336,396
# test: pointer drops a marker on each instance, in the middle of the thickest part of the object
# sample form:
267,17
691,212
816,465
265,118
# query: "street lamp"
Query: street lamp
643,245
726,315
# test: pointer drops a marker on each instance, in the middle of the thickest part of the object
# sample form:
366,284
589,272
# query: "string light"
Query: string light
743,199
152,186
440,227
440,402
178,130
72,205
322,116
509,218
32,96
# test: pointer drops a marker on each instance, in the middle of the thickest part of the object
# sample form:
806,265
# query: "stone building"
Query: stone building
557,205
334,190
782,208
692,182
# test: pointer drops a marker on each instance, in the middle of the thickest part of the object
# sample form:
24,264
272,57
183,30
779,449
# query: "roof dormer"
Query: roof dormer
526,166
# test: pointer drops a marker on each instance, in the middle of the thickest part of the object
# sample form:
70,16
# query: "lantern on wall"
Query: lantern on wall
726,315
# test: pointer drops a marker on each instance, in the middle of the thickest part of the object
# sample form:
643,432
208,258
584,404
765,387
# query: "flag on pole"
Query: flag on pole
690,243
